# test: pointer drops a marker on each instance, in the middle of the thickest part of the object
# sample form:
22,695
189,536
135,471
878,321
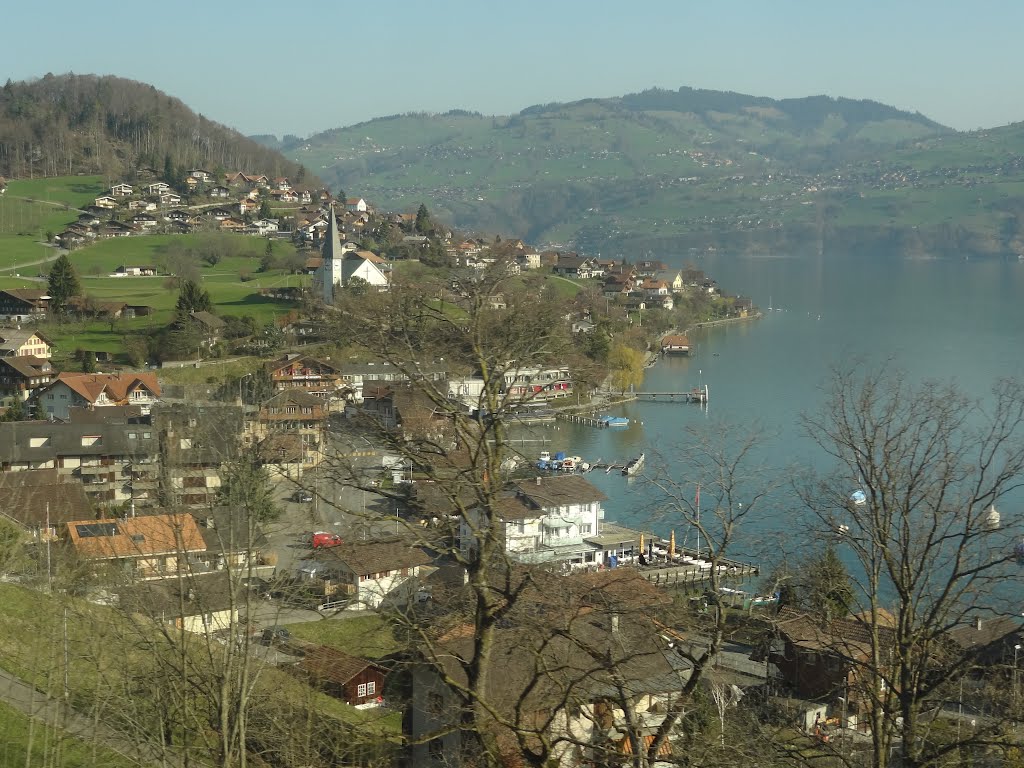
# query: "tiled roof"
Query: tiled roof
558,491
971,636
196,593
28,365
136,537
35,495
118,386
367,557
329,665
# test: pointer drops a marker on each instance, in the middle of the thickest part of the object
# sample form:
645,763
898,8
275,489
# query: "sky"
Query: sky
263,67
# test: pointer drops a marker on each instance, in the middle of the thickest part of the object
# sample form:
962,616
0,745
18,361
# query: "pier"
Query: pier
695,395
589,421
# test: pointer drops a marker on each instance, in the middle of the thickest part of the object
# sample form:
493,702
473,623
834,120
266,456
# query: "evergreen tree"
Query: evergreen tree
424,225
827,591
63,283
192,298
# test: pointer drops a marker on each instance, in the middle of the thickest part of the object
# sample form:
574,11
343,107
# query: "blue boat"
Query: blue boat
614,421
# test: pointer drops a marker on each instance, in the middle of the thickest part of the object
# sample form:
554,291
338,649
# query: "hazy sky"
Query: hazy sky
265,67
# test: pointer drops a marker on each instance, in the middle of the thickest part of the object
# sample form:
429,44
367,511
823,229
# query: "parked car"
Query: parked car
303,497
324,539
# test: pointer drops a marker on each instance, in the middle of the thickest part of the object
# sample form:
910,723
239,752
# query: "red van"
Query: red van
324,539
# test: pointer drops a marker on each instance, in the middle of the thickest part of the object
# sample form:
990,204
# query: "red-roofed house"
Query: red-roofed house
151,545
356,681
97,390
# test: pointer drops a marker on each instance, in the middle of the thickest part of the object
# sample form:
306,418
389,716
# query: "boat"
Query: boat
613,421
633,466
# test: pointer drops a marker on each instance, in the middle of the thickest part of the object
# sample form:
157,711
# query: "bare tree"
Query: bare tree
917,471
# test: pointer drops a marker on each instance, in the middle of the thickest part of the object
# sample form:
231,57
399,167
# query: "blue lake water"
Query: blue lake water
960,320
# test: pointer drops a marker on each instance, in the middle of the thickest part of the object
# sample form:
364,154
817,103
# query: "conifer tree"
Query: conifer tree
63,283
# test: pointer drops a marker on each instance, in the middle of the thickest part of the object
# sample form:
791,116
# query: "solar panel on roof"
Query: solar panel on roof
94,530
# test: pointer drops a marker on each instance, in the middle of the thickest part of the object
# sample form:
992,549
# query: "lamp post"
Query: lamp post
1016,649
240,400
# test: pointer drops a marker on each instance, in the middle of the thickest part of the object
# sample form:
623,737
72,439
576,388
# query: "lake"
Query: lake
962,320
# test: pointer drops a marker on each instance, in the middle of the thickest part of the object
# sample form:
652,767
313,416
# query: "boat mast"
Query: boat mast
698,519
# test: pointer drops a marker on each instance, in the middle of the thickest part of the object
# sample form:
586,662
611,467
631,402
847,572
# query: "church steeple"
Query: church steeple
332,257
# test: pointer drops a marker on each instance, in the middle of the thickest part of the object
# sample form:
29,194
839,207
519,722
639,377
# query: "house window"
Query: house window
186,442
147,435
88,440
37,442
133,435
361,691
586,527
371,688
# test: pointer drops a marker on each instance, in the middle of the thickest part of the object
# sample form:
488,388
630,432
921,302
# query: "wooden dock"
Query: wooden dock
589,421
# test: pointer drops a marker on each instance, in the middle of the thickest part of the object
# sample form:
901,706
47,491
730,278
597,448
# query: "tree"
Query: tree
264,212
89,362
15,411
192,298
424,224
930,464
627,367
827,589
246,487
62,284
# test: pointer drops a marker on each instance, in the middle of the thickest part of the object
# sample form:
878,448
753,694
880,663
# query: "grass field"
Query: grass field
24,743
367,636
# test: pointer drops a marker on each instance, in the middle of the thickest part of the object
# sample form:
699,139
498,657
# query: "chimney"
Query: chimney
977,623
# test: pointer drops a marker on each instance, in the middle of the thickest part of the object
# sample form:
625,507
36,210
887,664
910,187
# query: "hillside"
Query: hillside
555,172
70,124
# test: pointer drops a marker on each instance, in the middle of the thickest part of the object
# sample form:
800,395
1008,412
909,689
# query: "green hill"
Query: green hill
63,125
601,169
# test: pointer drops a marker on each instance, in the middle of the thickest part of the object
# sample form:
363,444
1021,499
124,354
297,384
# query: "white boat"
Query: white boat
634,466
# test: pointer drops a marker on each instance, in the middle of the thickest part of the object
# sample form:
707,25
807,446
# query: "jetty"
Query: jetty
699,395
590,421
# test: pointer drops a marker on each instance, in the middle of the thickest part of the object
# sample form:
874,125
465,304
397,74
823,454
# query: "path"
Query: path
47,260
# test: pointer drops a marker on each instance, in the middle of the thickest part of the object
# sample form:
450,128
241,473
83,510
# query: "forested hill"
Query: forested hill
66,124
610,168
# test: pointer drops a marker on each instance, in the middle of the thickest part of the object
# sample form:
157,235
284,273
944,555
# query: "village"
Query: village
315,490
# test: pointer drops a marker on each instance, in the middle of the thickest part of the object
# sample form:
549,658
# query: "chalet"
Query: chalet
617,285
178,216
220,192
538,383
232,539
107,202
96,211
141,205
989,641
245,205
675,344
143,220
285,195
158,188
21,305
202,175
692,277
309,374
743,306
356,205
200,603
617,675
282,183
824,661
545,519
85,306
20,377
265,227
97,390
112,229
296,412
209,325
305,197
195,442
367,572
88,220
23,342
170,198
358,682
672,277
232,224
356,376
654,288
42,501
122,190
650,268
148,546
528,259
574,266
217,213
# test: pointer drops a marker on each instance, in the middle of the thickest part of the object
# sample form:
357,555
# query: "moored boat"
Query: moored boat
614,421
633,466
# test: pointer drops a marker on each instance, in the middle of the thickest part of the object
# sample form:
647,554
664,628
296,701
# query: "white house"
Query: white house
158,188
265,227
366,573
364,265
122,190
97,390
546,519
356,205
